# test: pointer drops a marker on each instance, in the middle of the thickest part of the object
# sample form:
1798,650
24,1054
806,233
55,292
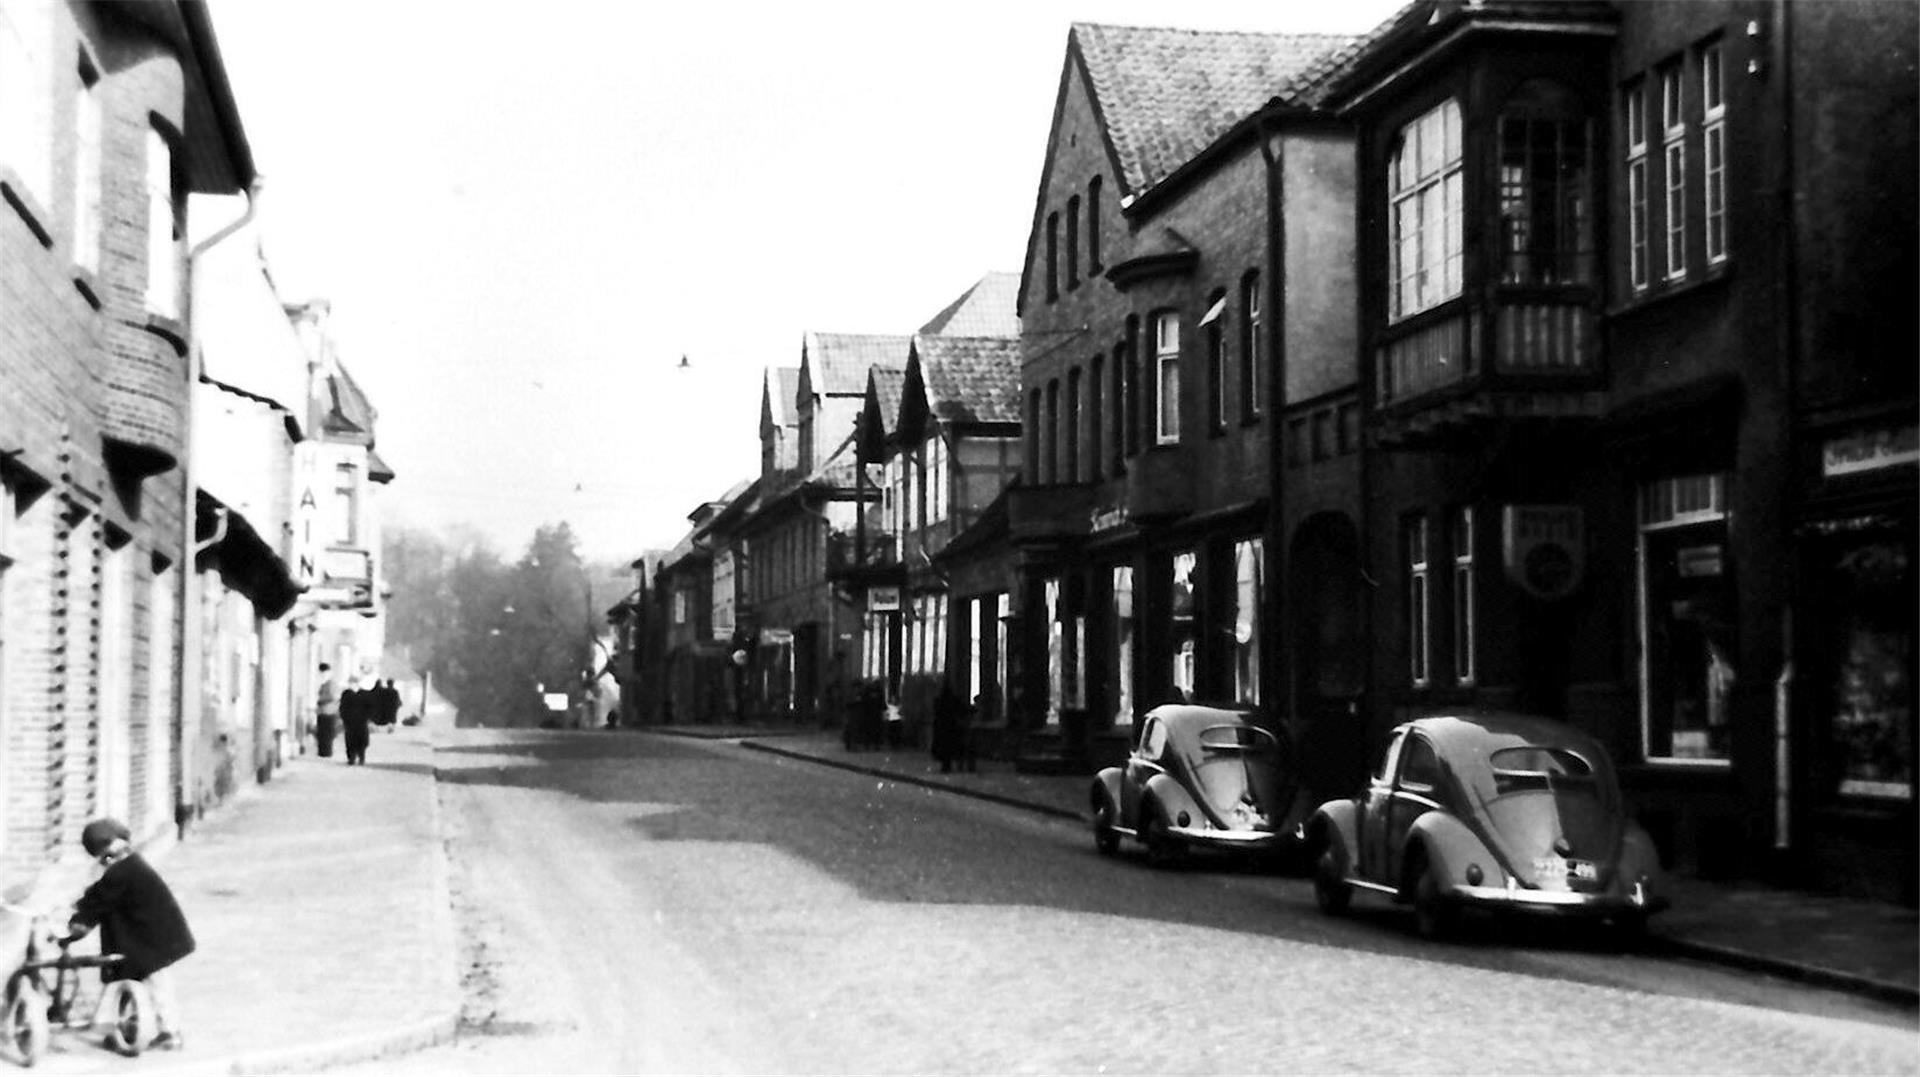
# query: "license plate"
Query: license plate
1572,869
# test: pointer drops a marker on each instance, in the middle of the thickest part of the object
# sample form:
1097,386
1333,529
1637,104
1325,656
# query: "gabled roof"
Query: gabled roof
962,380
779,386
987,309
880,411
1167,94
836,364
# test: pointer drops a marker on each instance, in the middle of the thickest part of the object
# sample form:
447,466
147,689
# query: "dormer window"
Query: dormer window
1424,191
1546,188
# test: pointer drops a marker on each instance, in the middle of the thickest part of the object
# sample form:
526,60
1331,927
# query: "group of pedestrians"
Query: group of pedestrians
353,712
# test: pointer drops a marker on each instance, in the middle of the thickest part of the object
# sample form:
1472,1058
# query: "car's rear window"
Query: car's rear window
1517,770
1236,738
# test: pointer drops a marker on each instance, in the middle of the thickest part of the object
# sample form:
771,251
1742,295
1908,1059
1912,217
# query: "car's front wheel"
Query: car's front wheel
1105,839
1331,891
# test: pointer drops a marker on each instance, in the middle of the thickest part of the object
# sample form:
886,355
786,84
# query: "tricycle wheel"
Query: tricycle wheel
26,1017
1330,888
131,1017
1105,840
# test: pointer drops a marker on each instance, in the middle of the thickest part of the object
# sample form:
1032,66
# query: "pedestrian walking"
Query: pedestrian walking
357,708
326,712
389,704
947,727
138,919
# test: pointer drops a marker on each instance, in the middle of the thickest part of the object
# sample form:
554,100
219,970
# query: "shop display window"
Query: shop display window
1688,638
1861,632
1184,636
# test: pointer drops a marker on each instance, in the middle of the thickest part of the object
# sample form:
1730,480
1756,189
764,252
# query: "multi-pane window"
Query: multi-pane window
1093,226
1425,212
1674,158
1419,603
1546,215
1713,149
1688,640
1634,103
1096,418
163,274
1073,242
1465,647
1216,363
1249,568
1070,428
1252,346
1166,358
86,169
937,479
1053,257
1123,635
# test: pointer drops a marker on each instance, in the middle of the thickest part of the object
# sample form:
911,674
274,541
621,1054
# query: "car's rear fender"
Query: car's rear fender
1449,847
1106,790
1173,799
1639,859
1335,824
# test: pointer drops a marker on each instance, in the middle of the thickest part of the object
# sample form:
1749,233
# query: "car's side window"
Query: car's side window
1421,770
1153,741
1390,759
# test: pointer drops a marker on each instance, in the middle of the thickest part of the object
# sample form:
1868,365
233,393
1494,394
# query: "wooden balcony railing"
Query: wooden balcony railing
1531,340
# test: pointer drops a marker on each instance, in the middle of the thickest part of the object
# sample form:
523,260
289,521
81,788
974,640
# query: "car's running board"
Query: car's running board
1375,887
1127,830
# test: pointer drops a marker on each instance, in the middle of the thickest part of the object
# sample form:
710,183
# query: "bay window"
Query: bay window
1425,212
1546,200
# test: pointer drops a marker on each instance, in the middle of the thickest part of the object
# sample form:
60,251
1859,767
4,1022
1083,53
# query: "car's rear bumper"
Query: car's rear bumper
1239,840
1635,901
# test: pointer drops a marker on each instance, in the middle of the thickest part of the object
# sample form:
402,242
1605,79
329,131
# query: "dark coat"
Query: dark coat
357,707
138,919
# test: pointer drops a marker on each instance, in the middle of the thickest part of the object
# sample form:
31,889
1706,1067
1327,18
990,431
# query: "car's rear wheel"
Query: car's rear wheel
1162,849
1331,890
1433,914
1105,840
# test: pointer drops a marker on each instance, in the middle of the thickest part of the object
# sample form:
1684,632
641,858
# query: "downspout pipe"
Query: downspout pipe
1787,300
1273,152
191,644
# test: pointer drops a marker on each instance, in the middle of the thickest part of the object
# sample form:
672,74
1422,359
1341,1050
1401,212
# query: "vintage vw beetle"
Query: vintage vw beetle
1489,810
1200,776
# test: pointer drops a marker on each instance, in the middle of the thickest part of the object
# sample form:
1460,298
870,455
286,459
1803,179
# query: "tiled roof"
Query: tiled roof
1168,94
837,363
783,388
988,309
1422,21
971,379
887,383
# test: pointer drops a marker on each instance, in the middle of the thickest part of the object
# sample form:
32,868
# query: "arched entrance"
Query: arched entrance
1329,652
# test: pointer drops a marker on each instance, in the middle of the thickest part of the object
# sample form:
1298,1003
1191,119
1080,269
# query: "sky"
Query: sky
525,215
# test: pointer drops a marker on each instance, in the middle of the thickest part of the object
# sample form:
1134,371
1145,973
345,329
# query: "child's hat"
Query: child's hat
96,836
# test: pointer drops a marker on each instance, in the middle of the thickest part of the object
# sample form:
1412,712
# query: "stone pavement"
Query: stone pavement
1865,947
320,905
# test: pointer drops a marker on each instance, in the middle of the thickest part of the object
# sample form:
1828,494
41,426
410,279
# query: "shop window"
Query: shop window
1185,633
1123,645
1465,640
1249,557
1419,602
1425,212
1634,107
1862,638
1687,636
1166,354
1056,652
1546,209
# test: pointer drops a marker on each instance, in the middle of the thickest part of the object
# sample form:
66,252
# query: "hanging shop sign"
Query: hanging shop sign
1544,548
776,637
883,600
1870,450
1106,519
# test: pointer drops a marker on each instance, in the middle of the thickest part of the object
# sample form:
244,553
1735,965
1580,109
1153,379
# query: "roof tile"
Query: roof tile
971,379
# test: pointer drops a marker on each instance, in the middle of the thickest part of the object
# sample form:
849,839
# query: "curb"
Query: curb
1812,975
416,1035
926,783
1663,945
722,733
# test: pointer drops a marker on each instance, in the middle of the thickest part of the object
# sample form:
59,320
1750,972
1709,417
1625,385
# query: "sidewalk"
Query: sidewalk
1865,947
320,906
